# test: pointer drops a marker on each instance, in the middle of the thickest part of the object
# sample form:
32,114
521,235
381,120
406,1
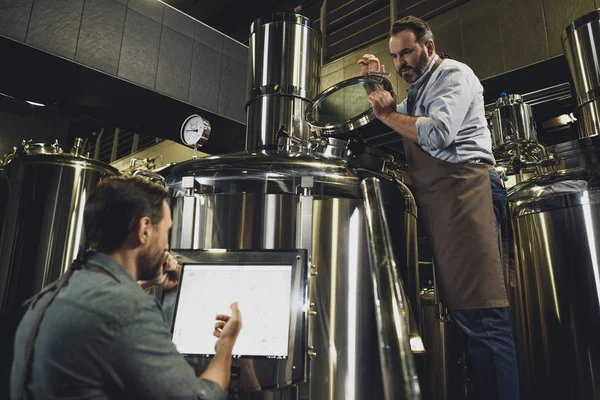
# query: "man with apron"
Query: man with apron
450,162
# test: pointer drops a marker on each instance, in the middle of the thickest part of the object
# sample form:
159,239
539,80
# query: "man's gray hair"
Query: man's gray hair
419,27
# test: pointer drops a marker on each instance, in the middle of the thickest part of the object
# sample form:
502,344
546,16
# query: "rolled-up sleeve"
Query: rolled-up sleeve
402,107
149,364
447,102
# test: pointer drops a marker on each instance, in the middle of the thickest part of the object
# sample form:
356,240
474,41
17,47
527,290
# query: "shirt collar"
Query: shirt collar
108,264
419,82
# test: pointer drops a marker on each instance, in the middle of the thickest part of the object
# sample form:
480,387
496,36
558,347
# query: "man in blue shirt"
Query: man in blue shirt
95,332
459,195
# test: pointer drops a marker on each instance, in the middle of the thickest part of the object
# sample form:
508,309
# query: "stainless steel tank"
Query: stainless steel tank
581,44
257,202
514,138
46,191
284,64
512,121
554,239
299,192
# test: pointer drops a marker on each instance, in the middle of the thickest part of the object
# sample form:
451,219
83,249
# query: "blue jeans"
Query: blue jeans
490,344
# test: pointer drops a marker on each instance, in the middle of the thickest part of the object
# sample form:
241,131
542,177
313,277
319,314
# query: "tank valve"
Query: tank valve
77,147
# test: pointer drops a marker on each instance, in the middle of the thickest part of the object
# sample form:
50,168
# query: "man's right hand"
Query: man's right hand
228,327
370,63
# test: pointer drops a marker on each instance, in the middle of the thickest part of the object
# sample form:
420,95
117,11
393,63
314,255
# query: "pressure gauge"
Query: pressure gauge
195,131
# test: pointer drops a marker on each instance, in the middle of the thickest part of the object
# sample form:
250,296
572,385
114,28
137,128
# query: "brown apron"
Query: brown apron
455,202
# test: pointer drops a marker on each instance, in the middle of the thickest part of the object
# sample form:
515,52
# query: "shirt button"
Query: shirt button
202,394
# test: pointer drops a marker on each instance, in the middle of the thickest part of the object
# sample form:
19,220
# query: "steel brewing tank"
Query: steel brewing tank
513,122
554,240
260,202
283,78
292,191
42,226
581,44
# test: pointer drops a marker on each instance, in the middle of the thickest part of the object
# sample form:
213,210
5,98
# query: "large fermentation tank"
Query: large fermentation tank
552,248
42,226
581,44
293,191
555,239
257,202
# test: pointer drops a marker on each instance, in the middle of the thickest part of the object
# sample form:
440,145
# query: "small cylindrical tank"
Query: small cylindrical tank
581,44
283,78
512,121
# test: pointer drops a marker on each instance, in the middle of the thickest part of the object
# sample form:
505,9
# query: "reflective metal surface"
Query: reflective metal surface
514,140
42,227
261,202
392,308
331,149
344,106
284,59
445,366
270,118
554,276
581,45
512,122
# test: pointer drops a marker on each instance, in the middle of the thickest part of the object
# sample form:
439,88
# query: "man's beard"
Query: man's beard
419,70
150,265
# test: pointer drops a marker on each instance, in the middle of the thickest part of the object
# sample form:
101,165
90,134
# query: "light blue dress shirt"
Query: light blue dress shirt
451,124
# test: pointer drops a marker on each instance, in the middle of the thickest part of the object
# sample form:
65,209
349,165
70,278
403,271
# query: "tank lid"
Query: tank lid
344,107
579,22
52,153
288,17
509,100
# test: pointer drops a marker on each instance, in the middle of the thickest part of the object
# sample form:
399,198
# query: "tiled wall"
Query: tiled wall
491,36
142,41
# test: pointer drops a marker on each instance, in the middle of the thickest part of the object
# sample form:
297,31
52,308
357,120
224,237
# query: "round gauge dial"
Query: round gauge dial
195,130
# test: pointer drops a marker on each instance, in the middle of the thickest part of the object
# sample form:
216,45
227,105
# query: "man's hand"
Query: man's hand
370,63
228,327
169,277
383,103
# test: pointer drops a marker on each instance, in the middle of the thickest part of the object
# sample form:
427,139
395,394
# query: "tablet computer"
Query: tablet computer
265,285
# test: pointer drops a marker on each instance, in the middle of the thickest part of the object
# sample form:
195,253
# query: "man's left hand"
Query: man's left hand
169,278
383,103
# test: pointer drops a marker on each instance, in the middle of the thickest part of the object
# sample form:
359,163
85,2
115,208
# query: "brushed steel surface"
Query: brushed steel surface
445,369
513,122
581,45
392,309
551,249
267,114
41,230
256,202
283,77
556,267
43,223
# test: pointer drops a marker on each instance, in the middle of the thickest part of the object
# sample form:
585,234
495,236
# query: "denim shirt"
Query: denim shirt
103,337
451,124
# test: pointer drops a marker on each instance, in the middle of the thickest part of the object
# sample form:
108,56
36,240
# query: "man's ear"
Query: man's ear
430,47
144,230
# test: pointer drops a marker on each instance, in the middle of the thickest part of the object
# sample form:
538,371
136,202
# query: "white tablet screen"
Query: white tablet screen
263,293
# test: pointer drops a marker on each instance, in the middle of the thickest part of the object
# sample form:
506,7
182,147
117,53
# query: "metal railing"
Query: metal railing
392,309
